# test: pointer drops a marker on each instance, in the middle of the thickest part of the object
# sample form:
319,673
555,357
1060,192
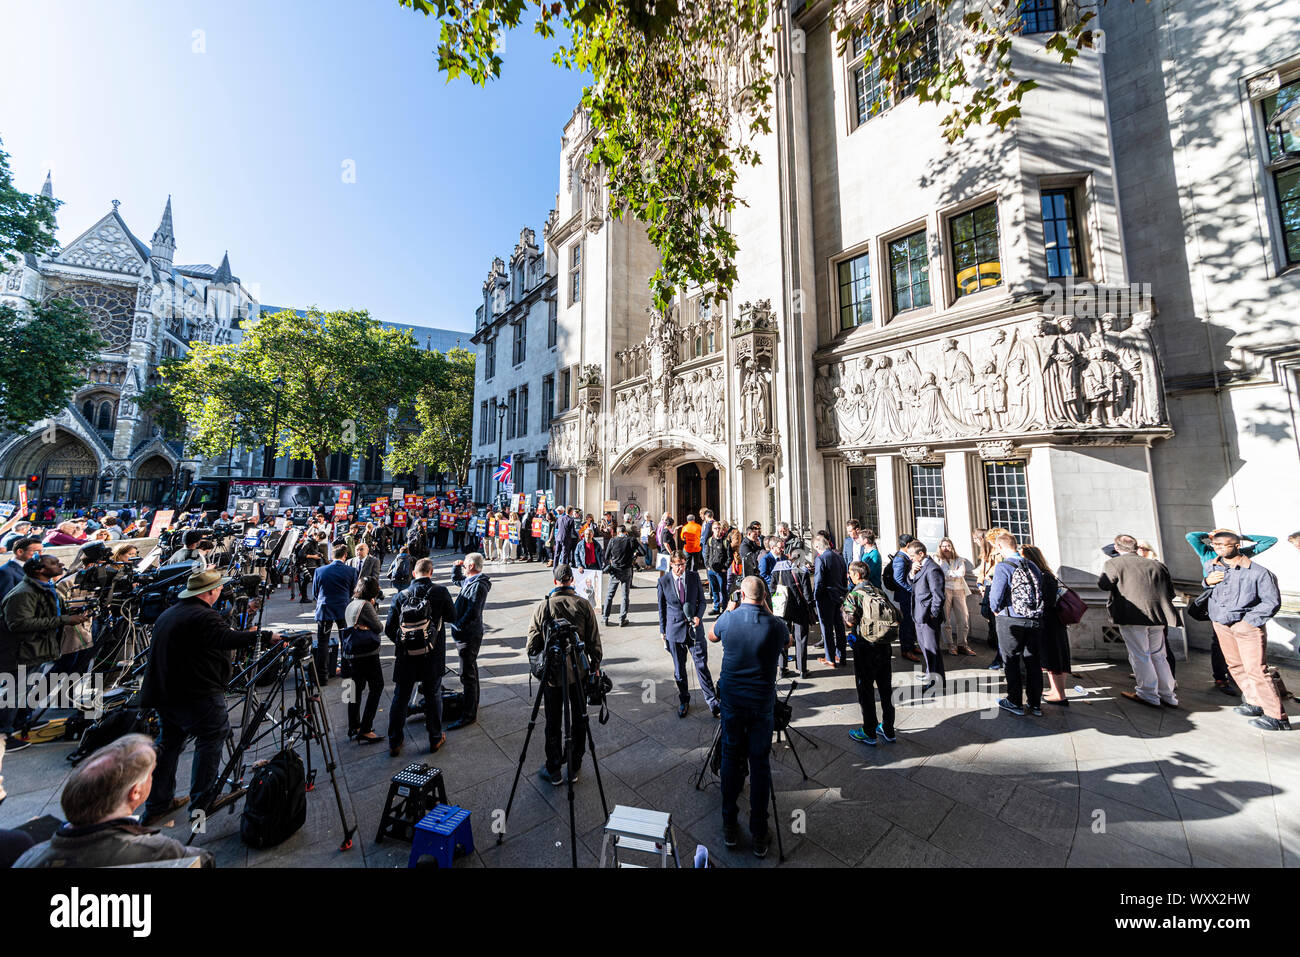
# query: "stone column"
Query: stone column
886,503
957,500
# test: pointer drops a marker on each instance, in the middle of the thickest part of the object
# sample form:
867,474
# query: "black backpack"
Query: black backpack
276,803
416,623
887,574
115,724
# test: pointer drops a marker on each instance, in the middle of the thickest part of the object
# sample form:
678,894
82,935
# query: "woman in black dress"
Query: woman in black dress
1056,637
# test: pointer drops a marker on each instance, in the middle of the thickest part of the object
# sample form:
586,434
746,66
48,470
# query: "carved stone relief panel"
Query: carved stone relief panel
1037,374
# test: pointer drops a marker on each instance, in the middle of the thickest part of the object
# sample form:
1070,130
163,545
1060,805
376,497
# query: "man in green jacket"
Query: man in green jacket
33,631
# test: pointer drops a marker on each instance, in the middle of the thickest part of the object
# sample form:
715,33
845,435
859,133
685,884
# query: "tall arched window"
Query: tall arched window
88,410
105,416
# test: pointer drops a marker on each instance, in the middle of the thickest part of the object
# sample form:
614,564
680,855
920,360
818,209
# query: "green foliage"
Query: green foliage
26,219
43,356
680,90
441,420
332,376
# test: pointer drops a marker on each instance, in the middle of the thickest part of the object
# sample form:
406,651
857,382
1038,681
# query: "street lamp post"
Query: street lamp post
268,456
502,408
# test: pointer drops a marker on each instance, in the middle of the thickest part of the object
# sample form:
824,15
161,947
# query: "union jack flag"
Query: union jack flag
502,474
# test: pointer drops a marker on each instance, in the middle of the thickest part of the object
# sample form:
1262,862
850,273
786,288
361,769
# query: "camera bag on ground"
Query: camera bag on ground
123,721
276,804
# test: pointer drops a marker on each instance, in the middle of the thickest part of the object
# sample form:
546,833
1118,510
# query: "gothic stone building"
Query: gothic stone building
1080,326
103,447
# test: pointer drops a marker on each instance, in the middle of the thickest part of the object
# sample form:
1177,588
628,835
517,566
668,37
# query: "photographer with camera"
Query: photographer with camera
565,616
417,626
189,669
753,642
34,619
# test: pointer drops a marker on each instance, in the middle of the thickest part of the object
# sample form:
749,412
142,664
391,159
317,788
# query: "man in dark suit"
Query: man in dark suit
566,537
365,564
681,603
900,566
830,585
11,572
928,584
333,584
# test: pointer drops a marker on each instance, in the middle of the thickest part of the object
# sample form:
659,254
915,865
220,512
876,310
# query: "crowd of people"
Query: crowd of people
766,592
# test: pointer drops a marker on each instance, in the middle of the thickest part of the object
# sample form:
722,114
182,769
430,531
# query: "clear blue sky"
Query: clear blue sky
250,137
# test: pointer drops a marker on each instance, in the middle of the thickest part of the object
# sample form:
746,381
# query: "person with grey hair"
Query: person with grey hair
100,801
467,632
1141,603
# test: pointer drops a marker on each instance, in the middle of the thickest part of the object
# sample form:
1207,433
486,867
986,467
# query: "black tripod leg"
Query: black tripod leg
591,747
708,758
523,753
794,751
776,819
567,710
317,715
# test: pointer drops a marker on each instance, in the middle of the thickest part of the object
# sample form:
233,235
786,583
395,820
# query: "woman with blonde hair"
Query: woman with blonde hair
989,559
956,619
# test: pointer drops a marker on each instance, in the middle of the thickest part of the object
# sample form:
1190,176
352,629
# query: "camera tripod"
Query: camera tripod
780,724
305,719
557,657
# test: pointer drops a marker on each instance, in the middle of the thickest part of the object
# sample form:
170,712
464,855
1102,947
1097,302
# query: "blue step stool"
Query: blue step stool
441,833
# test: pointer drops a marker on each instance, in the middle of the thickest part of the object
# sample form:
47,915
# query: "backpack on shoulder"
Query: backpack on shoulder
416,625
887,574
276,804
869,614
1026,592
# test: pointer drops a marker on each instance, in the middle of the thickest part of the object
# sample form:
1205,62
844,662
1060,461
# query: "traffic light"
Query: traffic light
33,481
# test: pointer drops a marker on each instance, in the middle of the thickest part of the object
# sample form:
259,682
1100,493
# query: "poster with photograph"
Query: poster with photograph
586,582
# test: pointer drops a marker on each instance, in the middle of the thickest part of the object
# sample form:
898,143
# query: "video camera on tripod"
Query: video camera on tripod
562,638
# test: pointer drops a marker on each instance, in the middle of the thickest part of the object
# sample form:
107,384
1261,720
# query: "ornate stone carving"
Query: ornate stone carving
563,451
105,247
590,376
997,449
917,454
757,455
110,309
754,343
854,456
755,315
1034,375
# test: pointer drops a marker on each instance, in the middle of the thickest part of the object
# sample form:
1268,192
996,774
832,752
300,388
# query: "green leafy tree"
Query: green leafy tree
679,90
442,417
44,348
43,357
333,376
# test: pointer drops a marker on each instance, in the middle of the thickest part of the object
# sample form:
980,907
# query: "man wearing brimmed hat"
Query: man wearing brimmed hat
189,668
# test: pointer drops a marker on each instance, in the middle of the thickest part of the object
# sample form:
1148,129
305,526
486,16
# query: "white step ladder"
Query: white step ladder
639,829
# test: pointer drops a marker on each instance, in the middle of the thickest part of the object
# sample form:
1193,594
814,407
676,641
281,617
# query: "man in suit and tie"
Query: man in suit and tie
830,585
928,585
566,536
11,572
365,564
849,547
333,584
900,567
681,604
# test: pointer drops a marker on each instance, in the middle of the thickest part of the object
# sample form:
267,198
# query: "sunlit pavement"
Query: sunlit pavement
1106,782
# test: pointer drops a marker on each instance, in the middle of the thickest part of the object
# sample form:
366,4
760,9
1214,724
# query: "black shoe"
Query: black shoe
551,777
1227,687
730,834
605,622
761,845
1249,710
1272,724
717,711
622,623
394,750
684,707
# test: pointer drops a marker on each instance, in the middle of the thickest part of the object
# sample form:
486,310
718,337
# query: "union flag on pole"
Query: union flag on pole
502,474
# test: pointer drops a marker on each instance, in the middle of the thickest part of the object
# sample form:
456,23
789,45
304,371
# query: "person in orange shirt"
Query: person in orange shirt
691,534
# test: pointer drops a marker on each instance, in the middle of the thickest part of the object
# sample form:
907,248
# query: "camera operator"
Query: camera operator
564,604
753,641
34,619
193,550
82,590
189,668
417,626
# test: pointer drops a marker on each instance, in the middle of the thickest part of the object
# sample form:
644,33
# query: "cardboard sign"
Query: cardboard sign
514,530
503,530
521,502
380,507
399,519
161,520
492,527
22,500
446,520
411,501
611,506
537,528
586,582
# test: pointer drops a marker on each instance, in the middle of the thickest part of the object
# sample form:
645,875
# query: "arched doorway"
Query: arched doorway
697,489
68,467
152,480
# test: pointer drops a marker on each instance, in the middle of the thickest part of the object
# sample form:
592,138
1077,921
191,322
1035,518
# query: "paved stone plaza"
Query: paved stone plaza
1104,783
